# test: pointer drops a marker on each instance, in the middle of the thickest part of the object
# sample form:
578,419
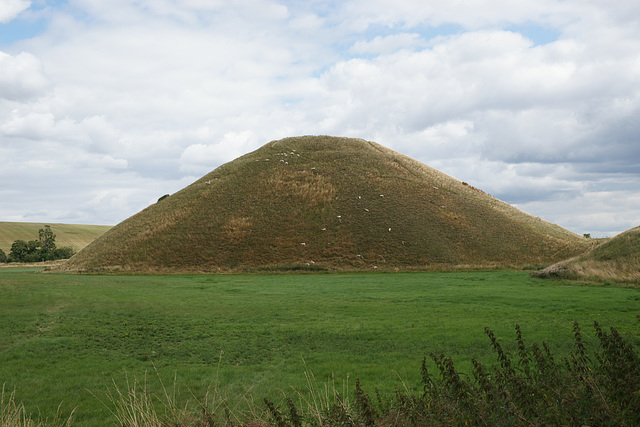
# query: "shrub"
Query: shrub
19,249
64,252
3,256
531,388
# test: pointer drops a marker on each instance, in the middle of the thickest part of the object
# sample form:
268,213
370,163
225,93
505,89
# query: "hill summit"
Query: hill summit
319,202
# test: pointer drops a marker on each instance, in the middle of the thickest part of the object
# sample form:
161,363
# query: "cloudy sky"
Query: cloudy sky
106,105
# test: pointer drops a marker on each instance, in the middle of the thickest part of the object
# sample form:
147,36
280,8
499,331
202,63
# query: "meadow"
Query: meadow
69,341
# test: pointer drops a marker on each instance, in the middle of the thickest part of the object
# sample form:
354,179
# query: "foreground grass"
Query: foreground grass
67,340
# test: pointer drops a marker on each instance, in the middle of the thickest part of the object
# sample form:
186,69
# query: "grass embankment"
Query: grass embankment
65,339
323,202
74,235
615,260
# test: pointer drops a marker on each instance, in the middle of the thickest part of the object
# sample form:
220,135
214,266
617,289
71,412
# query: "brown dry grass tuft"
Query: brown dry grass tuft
305,185
237,228
14,414
614,260
606,271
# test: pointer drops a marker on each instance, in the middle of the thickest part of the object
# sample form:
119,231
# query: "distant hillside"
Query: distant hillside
617,259
326,202
76,236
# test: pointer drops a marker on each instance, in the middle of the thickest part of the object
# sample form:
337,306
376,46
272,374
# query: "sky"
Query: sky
106,105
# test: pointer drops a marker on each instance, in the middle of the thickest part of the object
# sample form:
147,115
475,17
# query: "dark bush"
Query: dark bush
19,250
64,252
589,387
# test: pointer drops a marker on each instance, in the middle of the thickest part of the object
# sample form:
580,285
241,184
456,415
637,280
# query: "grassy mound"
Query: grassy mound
617,259
323,203
74,235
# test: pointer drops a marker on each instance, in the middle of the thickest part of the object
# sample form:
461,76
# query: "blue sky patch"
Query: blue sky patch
539,35
19,29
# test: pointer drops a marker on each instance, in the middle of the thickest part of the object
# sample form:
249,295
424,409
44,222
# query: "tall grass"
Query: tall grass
14,414
136,405
593,385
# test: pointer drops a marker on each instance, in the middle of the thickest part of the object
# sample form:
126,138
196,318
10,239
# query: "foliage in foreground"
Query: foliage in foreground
14,414
602,388
589,387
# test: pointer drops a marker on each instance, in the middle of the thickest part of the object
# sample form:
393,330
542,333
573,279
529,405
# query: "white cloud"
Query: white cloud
99,161
9,9
599,213
32,126
21,77
202,158
152,94
93,134
471,14
388,44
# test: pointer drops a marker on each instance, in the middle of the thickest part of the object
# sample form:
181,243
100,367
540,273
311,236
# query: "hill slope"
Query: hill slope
616,259
325,201
74,235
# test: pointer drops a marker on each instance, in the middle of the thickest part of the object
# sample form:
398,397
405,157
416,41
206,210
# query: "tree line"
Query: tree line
42,249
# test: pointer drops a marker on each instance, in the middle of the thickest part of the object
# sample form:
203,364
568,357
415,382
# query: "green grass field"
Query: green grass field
76,236
65,339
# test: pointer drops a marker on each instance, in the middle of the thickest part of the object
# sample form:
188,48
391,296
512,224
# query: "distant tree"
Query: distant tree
19,250
3,256
587,235
64,252
43,249
47,242
34,254
33,245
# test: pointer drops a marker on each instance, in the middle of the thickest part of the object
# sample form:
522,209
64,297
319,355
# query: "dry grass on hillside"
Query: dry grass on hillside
335,203
305,185
615,260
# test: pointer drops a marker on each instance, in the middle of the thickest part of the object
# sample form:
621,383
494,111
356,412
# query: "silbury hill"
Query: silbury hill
319,202
617,260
